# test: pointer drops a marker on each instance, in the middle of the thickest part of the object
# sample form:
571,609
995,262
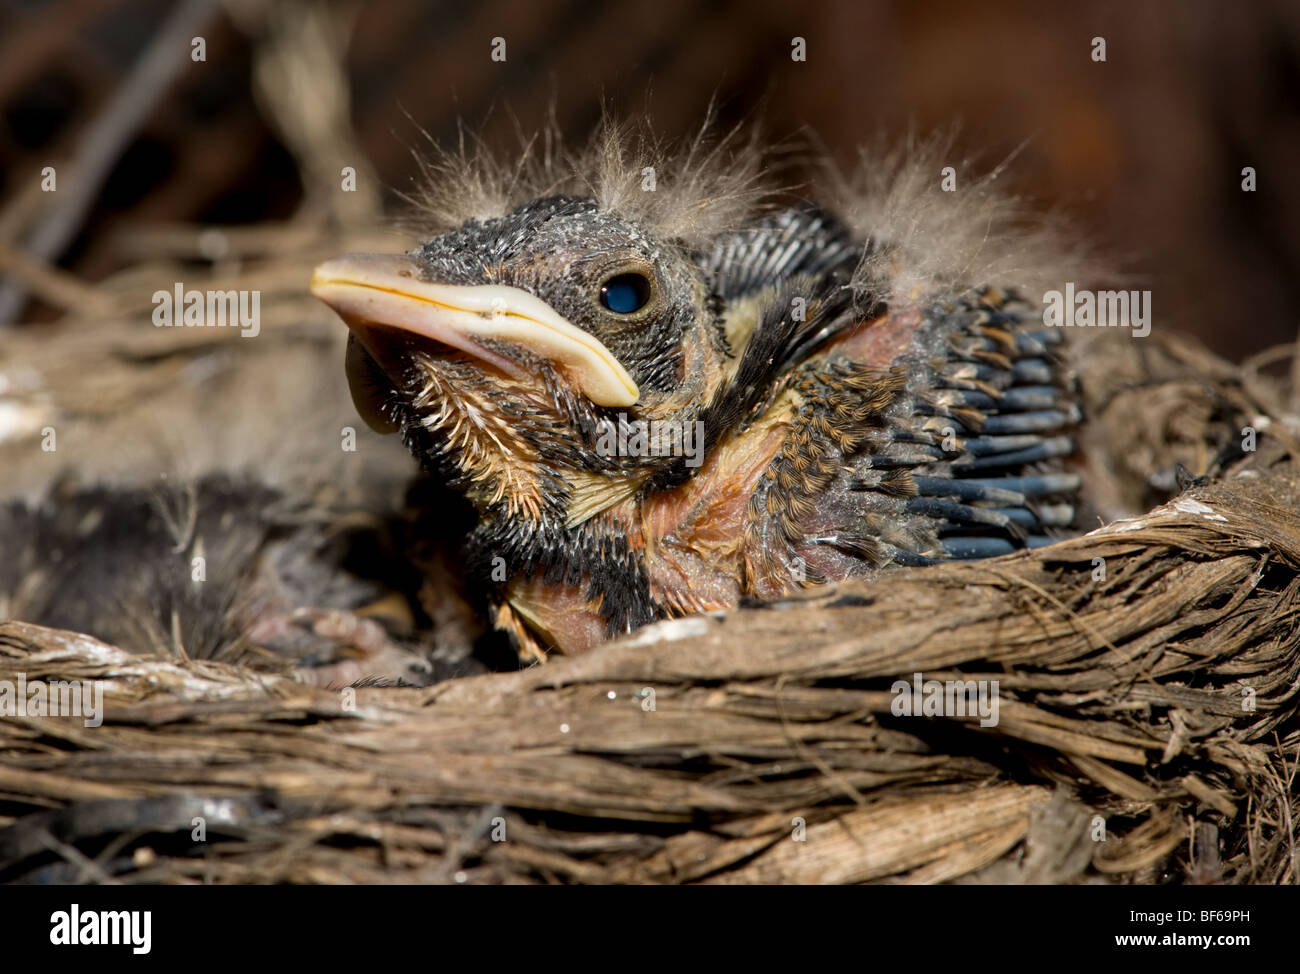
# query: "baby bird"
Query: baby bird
665,388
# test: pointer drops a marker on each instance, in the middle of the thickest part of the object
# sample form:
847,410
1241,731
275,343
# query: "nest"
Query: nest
1147,679
1147,732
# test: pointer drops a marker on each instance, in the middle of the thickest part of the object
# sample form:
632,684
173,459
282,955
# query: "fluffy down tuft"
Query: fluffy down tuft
922,243
702,186
925,243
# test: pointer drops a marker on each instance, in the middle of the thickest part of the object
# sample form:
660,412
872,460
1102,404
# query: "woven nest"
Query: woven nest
1147,730
1147,727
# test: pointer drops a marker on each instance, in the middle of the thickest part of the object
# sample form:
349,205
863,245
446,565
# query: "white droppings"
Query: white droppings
18,420
564,728
670,630
1188,505
1136,524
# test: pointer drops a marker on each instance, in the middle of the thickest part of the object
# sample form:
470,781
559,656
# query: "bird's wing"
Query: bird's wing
853,435
972,458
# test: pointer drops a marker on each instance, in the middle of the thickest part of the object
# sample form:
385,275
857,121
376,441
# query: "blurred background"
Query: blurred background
200,143
1144,151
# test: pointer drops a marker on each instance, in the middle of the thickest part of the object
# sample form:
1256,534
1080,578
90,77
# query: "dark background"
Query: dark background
1144,151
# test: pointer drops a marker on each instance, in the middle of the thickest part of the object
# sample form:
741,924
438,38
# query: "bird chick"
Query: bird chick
666,400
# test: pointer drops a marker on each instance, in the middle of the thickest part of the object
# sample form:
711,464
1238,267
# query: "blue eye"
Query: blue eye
625,293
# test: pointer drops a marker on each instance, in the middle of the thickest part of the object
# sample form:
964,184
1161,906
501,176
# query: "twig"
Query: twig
53,284
104,141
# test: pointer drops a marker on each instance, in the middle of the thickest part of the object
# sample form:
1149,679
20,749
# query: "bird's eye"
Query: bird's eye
625,293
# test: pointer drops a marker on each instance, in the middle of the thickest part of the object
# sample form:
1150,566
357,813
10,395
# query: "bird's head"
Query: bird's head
510,351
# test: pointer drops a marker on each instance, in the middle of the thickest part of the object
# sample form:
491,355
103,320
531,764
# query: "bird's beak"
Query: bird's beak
375,292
